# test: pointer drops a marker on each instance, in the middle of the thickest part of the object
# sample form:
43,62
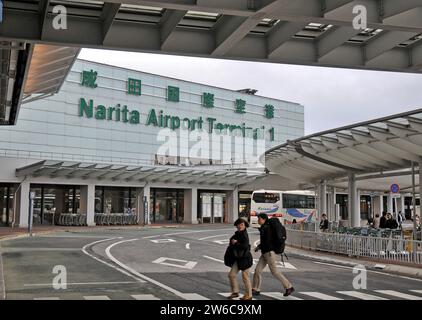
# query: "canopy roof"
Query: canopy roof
153,174
383,146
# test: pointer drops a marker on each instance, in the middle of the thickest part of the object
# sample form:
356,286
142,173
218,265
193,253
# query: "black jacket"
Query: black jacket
323,225
241,250
391,224
266,243
382,222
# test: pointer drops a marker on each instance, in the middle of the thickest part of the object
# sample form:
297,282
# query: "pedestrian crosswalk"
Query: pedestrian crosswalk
299,295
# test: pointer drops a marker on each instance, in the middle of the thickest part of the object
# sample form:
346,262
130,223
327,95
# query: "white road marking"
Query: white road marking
279,296
286,265
321,296
79,283
193,296
227,294
106,263
214,259
187,264
215,236
417,291
163,240
144,297
399,294
226,241
361,295
47,298
144,277
188,246
96,298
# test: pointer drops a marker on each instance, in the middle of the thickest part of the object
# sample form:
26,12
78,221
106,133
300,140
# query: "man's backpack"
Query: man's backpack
279,235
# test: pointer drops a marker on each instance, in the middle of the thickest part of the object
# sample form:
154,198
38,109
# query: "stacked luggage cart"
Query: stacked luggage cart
70,219
113,219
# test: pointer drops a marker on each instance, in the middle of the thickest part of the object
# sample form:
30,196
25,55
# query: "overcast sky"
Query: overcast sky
332,97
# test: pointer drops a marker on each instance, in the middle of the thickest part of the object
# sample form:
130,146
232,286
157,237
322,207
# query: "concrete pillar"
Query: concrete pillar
358,195
323,196
59,200
190,206
143,205
87,204
22,204
378,205
400,204
389,203
317,202
420,189
353,204
333,202
233,205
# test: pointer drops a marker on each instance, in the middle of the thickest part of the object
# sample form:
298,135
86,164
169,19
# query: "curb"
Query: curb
2,283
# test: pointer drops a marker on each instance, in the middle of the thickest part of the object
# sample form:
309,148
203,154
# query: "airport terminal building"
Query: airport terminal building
119,146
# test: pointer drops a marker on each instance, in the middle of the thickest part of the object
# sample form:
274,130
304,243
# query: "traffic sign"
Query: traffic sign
395,188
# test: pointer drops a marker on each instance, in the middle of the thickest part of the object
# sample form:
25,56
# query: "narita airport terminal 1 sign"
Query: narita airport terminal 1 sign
157,118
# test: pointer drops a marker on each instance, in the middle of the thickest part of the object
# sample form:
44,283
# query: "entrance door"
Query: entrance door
6,205
167,206
212,207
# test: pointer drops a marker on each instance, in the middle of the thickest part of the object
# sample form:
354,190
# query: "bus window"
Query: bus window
298,201
266,197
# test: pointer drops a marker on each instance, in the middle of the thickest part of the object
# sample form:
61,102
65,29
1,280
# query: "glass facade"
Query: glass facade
115,200
52,200
6,204
167,205
212,207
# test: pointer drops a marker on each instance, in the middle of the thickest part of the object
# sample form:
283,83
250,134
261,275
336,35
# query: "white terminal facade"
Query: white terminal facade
118,146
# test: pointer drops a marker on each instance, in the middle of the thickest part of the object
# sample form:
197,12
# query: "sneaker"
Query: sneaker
255,292
246,297
233,295
289,292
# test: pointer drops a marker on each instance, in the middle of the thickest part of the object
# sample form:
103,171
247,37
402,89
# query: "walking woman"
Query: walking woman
239,258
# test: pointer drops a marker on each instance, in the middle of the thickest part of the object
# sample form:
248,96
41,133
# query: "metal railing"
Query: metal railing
391,249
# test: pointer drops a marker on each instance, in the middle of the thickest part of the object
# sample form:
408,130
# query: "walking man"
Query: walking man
268,256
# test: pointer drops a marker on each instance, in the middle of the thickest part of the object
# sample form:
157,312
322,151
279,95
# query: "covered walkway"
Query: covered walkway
366,157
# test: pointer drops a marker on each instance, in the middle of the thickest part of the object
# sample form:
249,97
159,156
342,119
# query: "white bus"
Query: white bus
286,205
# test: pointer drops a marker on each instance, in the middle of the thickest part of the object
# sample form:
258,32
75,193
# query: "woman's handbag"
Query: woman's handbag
229,258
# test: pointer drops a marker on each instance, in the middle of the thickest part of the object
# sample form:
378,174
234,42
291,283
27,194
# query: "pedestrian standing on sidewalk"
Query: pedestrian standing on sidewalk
383,219
376,224
239,258
323,225
268,256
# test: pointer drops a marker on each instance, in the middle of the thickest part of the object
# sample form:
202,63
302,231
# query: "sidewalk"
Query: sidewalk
9,233
370,264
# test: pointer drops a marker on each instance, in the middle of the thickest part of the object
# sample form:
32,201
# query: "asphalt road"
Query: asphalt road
170,263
